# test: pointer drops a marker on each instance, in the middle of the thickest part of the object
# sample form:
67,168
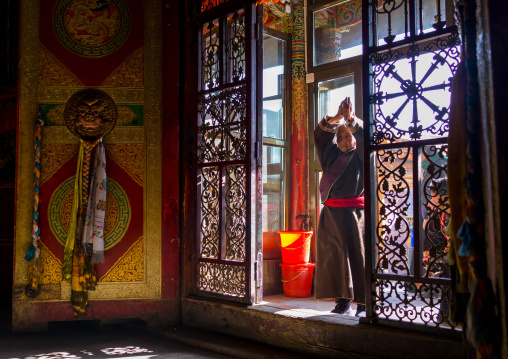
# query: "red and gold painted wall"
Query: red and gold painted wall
115,46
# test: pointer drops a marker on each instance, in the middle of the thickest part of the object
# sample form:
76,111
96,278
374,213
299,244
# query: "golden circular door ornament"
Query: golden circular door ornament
90,114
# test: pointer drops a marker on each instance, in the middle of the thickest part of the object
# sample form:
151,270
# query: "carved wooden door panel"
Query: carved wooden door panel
226,151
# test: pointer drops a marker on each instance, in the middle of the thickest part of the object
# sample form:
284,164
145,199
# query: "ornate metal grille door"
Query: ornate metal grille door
226,152
411,58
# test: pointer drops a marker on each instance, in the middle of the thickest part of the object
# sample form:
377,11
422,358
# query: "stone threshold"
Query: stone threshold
318,333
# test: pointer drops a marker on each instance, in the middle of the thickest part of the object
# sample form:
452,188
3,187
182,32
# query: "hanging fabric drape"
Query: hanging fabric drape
76,205
85,237
481,328
93,232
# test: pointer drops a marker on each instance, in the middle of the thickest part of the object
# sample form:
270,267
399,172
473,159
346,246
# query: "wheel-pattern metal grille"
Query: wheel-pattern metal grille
222,278
412,102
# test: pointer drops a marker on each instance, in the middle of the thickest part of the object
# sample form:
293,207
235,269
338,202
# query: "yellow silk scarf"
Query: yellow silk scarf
76,205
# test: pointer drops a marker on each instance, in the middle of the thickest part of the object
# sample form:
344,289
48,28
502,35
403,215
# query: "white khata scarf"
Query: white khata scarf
93,232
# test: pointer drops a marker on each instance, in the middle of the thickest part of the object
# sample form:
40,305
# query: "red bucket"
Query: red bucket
297,279
295,246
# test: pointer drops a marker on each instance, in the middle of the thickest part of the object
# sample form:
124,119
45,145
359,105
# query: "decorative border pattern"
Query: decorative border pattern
130,158
51,266
28,79
129,74
56,94
53,157
52,72
128,115
153,155
130,267
60,134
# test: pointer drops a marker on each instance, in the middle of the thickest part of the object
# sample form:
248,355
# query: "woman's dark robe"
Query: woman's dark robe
340,254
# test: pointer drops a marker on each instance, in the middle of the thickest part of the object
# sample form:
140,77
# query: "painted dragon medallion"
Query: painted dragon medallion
91,28
90,114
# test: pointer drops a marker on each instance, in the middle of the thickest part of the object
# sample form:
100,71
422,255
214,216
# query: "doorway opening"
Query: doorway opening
276,180
418,244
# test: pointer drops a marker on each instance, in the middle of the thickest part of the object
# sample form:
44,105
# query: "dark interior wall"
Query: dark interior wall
6,241
496,13
7,192
9,13
9,10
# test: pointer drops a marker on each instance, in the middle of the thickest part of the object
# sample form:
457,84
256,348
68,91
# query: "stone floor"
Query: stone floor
131,340
122,340
95,341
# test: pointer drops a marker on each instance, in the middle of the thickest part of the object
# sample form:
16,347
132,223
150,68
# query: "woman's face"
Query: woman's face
345,139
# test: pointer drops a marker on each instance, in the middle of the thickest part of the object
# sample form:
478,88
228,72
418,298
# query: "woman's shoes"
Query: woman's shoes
343,307
360,310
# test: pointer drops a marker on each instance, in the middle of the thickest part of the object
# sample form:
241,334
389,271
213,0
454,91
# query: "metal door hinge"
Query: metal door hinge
259,271
256,273
258,30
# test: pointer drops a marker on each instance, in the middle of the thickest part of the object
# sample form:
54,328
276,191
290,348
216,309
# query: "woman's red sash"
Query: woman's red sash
358,202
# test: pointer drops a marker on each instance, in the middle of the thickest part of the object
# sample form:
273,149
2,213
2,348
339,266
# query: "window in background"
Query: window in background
337,32
274,134
330,94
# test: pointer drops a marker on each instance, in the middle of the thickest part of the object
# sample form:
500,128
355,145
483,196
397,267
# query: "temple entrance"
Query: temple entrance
412,280
408,189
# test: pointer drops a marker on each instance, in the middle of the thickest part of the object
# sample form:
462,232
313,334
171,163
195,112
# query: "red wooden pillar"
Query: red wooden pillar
299,201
